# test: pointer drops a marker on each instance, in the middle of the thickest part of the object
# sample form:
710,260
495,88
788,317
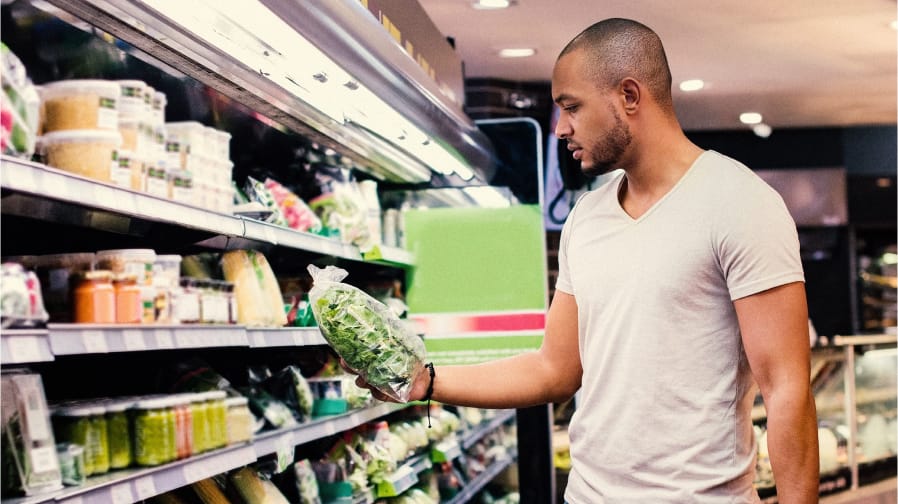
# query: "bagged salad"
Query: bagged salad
366,334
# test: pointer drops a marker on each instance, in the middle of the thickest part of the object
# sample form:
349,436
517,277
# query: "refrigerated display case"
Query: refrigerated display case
854,384
321,70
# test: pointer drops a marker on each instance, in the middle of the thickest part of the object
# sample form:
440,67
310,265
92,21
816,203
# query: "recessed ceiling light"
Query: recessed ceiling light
762,130
750,118
517,52
692,85
894,25
491,4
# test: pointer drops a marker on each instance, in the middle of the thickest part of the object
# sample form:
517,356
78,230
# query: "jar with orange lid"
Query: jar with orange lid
95,298
128,304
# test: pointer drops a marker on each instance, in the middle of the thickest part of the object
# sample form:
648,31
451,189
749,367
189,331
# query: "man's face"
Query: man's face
588,119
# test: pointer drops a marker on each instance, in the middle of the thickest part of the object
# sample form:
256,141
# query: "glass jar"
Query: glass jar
71,463
186,302
219,302
97,449
94,298
201,429
240,421
231,299
148,304
71,424
218,418
183,426
152,435
119,433
128,306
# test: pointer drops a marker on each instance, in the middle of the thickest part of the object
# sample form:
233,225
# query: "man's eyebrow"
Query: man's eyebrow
562,97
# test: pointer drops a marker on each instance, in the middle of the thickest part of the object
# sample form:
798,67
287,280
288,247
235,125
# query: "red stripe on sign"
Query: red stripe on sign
519,322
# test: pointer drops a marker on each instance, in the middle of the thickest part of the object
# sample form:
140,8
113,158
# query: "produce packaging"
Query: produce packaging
291,387
89,153
255,489
30,463
58,275
71,463
81,105
306,484
343,209
259,301
20,109
366,334
208,492
297,214
257,192
21,303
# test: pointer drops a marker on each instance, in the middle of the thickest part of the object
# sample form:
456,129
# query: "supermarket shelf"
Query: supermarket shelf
122,487
445,451
478,483
271,442
419,463
77,339
476,434
20,346
39,180
395,484
291,336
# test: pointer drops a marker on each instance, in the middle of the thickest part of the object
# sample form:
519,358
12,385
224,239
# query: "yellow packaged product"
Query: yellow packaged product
259,300
89,153
80,104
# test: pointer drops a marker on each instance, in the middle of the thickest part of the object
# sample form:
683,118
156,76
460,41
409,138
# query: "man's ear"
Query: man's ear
631,93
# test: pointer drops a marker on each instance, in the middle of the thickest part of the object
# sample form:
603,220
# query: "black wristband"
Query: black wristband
429,393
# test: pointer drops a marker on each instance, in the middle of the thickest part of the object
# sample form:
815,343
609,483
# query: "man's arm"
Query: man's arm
774,325
549,374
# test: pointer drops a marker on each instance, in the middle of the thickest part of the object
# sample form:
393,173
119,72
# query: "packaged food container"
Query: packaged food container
138,262
217,414
129,128
202,429
128,171
223,152
80,104
85,425
153,433
148,96
159,102
190,138
128,305
28,436
183,426
162,301
71,463
133,94
168,268
94,298
186,302
89,153
240,420
180,186
119,433
148,304
157,180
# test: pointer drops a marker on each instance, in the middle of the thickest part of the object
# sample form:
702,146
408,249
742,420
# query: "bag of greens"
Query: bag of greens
366,334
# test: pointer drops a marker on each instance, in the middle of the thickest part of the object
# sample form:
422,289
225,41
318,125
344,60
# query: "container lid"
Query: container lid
82,136
74,410
152,403
236,401
184,125
124,277
159,98
108,89
132,83
216,395
148,255
98,275
118,405
168,258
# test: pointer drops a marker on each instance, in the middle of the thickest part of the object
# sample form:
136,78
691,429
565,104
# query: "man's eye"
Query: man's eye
570,108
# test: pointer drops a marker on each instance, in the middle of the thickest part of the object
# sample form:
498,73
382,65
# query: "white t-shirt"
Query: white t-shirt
664,414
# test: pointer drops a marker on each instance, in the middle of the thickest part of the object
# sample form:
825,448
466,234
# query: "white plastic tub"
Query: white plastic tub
89,153
80,104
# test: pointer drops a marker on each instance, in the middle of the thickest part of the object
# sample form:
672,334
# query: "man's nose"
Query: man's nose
562,128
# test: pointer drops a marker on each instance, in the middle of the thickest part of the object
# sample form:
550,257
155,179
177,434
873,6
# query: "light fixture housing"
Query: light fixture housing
517,52
692,85
762,130
750,118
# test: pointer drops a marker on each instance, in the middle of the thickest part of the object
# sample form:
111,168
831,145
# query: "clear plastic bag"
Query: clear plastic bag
366,334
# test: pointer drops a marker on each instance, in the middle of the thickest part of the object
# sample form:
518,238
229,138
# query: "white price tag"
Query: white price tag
24,349
193,473
299,338
121,494
133,339
330,429
94,341
26,180
163,339
145,487
259,339
186,339
44,459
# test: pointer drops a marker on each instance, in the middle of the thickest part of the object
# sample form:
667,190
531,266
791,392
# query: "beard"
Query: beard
605,154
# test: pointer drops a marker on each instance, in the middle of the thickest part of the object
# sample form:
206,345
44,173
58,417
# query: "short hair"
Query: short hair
619,48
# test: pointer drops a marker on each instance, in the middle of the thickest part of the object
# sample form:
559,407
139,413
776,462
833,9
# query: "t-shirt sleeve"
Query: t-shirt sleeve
758,243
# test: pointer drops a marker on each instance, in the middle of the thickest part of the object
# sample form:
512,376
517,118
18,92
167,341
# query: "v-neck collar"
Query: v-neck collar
651,209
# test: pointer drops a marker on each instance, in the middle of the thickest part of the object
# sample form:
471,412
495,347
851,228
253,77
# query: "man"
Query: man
680,287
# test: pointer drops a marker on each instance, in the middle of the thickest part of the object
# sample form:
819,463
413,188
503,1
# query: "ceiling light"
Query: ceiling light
762,130
894,25
692,85
517,52
750,118
491,4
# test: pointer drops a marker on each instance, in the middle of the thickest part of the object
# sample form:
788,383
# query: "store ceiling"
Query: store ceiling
803,63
